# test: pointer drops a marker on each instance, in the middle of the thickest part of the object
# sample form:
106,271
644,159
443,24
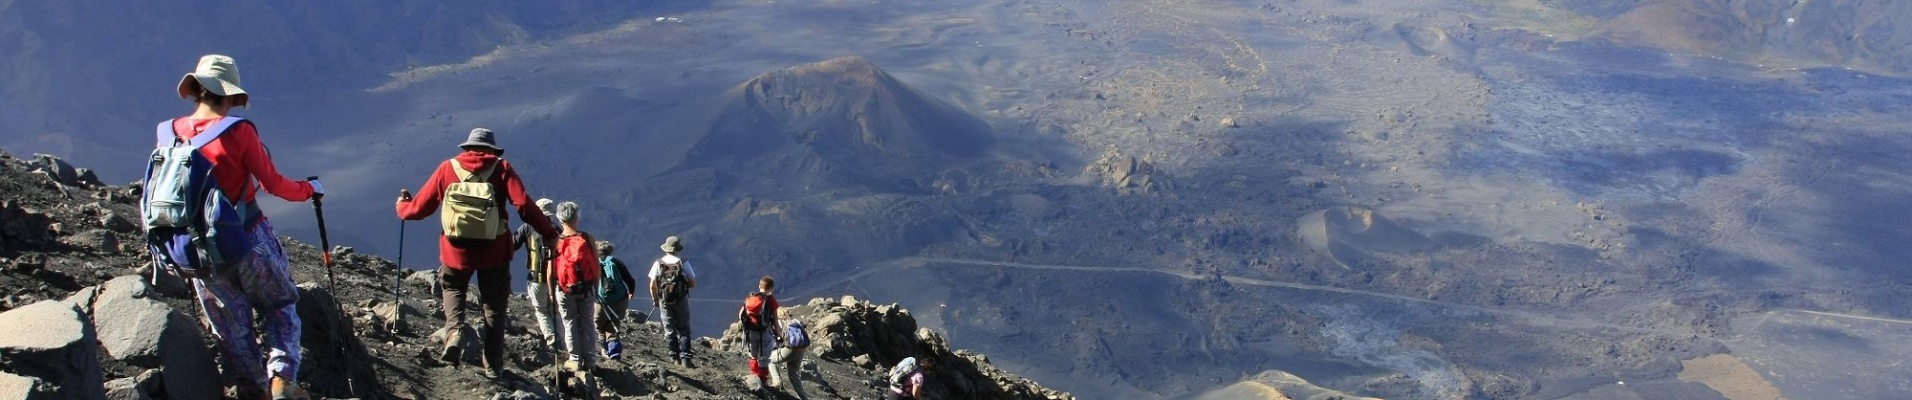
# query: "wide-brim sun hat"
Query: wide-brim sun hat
672,245
481,137
217,73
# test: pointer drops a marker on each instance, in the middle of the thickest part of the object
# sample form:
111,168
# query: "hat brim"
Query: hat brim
213,85
480,144
671,249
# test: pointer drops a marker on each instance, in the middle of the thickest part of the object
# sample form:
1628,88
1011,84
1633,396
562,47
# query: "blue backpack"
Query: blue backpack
190,223
794,336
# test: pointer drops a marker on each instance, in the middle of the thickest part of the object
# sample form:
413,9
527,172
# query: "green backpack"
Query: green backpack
611,286
471,209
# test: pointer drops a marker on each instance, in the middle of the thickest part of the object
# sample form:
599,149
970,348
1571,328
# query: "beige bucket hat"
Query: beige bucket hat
217,73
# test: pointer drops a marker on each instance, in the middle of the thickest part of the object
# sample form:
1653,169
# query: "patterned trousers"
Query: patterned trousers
228,300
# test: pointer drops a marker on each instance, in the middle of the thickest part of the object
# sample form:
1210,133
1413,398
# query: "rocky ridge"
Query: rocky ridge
82,316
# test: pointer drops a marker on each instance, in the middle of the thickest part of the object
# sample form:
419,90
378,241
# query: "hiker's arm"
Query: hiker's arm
771,318
514,191
517,241
253,154
652,274
690,275
630,284
426,202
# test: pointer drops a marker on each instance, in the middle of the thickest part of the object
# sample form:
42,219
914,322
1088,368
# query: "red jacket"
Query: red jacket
238,157
496,254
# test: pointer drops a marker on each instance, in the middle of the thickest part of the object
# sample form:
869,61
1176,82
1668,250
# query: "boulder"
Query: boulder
126,389
130,324
20,387
57,169
83,298
87,177
53,341
144,332
98,240
23,226
332,347
117,223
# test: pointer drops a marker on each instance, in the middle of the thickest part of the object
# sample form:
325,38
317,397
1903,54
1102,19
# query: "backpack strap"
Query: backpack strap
166,137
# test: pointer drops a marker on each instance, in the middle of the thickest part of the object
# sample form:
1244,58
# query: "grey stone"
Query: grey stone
145,332
83,298
56,168
425,277
25,226
130,324
87,177
117,223
20,387
126,389
99,240
53,341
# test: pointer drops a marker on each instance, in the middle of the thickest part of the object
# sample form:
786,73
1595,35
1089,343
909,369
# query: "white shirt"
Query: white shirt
657,267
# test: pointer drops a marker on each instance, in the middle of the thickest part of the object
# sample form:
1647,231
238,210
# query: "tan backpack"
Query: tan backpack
472,208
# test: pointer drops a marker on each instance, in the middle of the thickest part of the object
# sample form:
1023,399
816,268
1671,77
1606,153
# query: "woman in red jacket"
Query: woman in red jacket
262,280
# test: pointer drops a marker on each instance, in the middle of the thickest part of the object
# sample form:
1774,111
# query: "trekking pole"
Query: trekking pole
398,275
331,283
557,373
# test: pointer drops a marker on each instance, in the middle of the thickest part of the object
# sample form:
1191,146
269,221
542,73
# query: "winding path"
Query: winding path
1532,318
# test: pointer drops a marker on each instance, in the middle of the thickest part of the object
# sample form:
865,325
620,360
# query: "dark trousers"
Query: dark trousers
677,328
610,316
494,293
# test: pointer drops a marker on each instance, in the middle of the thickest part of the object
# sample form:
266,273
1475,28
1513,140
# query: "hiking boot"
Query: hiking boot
688,364
492,374
451,354
286,389
572,365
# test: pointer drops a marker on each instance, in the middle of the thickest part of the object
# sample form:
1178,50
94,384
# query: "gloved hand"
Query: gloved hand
317,188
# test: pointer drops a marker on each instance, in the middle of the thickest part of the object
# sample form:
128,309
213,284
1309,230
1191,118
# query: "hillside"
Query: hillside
841,121
78,315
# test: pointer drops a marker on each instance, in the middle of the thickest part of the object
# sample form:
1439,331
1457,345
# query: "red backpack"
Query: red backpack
754,308
577,264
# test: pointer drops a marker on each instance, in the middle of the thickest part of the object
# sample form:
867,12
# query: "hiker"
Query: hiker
473,241
537,276
672,278
615,290
759,319
576,278
786,364
907,379
244,271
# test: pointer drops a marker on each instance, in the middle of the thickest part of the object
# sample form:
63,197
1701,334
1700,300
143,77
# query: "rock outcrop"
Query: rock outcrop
875,337
147,333
54,342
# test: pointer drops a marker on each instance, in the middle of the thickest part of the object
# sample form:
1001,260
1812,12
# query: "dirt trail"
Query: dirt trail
1531,318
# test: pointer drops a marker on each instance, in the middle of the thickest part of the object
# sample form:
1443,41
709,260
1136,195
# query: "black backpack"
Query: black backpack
672,286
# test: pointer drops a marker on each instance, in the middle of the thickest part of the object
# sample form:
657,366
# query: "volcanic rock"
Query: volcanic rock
53,341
